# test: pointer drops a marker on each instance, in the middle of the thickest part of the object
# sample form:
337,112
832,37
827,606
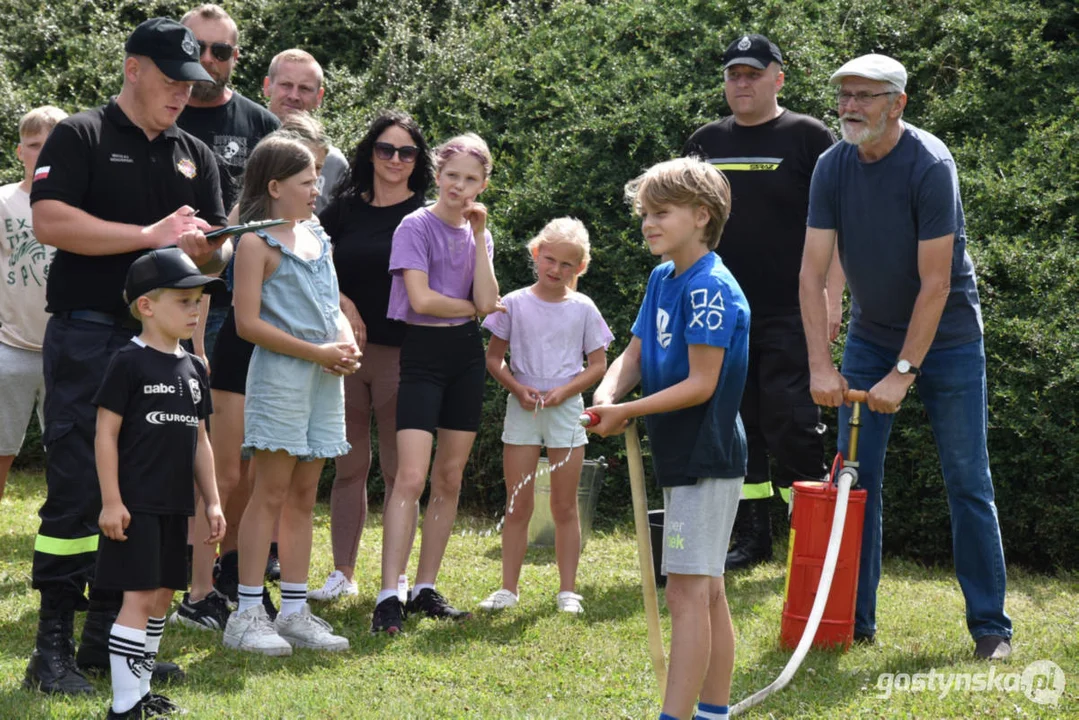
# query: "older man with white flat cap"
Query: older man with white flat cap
888,196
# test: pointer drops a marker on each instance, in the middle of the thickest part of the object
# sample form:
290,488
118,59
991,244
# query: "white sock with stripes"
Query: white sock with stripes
154,628
248,596
293,597
127,652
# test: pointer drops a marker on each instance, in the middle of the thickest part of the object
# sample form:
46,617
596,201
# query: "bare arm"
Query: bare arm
207,485
71,229
114,517
836,282
705,364
252,258
426,301
352,315
935,273
204,467
826,384
528,397
484,283
623,375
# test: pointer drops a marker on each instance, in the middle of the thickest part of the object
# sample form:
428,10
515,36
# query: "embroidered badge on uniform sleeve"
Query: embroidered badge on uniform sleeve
42,172
187,167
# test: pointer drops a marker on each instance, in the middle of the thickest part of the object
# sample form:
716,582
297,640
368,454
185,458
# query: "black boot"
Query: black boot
52,665
93,655
753,545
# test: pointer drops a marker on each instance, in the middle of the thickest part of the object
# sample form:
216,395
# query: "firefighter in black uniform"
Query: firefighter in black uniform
110,184
768,154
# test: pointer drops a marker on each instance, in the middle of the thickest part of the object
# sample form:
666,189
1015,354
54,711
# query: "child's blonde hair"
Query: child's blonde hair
469,144
43,118
278,156
563,230
685,181
133,306
305,127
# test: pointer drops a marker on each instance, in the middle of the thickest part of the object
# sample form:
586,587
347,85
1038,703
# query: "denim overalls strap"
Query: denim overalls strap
301,296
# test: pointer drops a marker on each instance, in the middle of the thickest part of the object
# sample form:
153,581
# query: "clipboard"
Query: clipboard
244,228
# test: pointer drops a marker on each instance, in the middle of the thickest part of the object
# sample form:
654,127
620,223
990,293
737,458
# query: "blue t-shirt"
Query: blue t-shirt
702,306
881,211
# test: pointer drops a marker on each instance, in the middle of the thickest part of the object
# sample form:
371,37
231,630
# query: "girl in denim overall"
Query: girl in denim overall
286,303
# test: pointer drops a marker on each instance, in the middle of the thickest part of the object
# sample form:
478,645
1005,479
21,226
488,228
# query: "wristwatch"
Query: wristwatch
905,368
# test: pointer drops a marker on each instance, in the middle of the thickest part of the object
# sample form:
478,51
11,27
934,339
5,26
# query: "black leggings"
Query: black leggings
442,378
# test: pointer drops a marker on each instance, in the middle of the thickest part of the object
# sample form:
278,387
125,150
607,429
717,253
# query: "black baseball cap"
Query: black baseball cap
166,268
754,50
172,47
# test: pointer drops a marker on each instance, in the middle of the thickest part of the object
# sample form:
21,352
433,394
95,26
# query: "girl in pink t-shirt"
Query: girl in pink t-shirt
442,278
548,329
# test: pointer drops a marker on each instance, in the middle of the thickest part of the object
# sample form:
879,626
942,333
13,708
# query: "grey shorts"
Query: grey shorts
697,524
22,385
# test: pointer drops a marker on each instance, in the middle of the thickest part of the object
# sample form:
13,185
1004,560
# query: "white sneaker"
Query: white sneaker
336,586
252,631
569,602
302,629
499,600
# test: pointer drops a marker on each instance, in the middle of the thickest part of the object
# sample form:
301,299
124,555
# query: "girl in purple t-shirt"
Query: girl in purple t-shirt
548,328
442,278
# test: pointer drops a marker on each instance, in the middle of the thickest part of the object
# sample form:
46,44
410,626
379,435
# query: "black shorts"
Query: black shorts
232,355
442,378
153,556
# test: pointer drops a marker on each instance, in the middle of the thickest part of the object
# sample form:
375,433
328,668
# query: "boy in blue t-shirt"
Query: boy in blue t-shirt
689,350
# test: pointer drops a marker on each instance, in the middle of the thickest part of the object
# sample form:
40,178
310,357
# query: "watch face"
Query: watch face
903,366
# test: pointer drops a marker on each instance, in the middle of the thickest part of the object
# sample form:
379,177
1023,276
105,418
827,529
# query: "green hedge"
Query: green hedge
576,97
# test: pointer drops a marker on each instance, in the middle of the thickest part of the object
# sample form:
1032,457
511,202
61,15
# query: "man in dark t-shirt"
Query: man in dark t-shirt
110,184
886,201
768,154
216,114
225,120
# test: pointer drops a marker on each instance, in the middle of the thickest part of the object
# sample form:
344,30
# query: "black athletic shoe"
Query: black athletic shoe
137,712
389,617
210,613
433,605
267,603
161,705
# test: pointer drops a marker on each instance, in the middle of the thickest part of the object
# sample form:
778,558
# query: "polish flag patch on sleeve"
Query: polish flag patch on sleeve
42,172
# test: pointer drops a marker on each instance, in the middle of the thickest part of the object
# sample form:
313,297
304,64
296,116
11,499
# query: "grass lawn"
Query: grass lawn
532,662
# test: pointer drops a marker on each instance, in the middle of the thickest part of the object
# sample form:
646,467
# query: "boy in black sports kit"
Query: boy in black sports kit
151,440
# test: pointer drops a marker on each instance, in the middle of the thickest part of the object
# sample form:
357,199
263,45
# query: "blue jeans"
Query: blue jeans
952,388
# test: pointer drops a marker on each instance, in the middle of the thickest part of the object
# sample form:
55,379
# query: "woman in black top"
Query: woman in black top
391,172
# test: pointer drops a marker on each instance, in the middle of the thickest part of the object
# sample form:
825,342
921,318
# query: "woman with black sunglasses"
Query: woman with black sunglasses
391,172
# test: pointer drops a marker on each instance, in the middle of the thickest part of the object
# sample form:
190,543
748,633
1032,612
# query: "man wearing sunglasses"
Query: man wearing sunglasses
886,199
232,126
216,114
294,84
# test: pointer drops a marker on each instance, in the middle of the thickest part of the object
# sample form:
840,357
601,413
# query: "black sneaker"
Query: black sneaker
389,617
433,605
210,613
161,705
137,712
267,603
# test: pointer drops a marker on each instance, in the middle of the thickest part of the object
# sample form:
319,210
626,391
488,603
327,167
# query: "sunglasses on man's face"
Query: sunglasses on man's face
220,51
406,153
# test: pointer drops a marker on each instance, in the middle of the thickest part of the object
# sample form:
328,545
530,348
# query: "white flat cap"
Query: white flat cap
873,67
